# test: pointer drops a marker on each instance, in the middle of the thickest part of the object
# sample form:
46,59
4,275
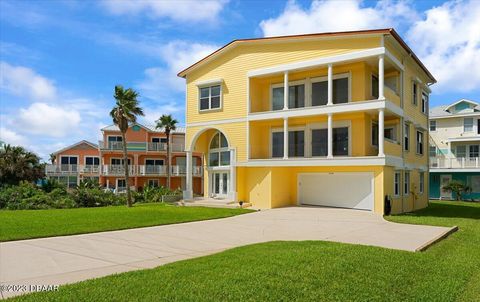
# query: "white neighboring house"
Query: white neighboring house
455,147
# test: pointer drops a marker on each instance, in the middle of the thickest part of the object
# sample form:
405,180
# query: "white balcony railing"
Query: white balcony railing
157,146
454,163
66,169
151,170
117,170
161,147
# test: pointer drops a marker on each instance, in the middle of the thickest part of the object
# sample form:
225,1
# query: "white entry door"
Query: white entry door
444,180
353,190
220,182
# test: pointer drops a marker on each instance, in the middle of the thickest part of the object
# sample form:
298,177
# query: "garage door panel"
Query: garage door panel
346,190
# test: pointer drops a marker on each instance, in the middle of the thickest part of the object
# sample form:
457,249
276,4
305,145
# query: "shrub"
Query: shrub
154,194
457,187
96,197
51,184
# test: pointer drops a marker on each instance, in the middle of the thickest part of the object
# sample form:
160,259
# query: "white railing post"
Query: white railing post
285,90
381,127
463,162
381,77
476,162
330,85
330,136
285,138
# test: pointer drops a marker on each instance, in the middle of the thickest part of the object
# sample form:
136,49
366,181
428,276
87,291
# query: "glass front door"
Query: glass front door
220,182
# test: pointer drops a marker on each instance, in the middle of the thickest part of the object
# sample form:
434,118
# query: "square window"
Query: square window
210,97
213,159
319,93
390,133
433,126
467,124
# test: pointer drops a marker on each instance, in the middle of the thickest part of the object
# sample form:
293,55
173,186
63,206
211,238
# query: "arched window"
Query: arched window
218,152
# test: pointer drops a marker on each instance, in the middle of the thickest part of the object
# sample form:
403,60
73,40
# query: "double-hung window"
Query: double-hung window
421,182
406,183
210,97
432,151
424,102
433,126
461,151
468,124
420,142
406,137
396,184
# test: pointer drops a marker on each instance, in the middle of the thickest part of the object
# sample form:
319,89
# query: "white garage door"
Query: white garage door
345,190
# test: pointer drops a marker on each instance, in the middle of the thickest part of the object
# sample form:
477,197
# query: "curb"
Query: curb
442,236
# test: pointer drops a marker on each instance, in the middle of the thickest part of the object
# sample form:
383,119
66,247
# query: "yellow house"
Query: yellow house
331,119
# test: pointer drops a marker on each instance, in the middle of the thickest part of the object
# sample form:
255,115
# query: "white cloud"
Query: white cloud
152,114
330,15
448,42
179,10
11,137
24,82
160,82
43,119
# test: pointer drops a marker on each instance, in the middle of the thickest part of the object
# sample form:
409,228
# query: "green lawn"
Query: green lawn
310,271
24,224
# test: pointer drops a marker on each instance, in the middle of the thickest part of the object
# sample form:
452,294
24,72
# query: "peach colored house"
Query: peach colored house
147,158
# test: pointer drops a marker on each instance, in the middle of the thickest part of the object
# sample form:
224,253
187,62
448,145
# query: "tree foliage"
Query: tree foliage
457,187
17,164
168,124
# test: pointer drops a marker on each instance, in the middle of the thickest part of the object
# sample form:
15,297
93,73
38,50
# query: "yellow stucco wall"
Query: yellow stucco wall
273,187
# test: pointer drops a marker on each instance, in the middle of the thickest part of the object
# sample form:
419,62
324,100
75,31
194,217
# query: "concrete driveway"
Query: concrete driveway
67,259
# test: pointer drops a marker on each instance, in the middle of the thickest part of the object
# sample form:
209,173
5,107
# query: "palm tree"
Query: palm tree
18,164
53,157
124,113
168,123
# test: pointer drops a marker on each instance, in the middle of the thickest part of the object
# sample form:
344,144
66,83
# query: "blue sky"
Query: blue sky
61,59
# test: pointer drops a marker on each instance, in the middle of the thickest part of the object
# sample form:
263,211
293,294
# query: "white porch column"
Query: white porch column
188,193
232,194
381,77
285,90
381,135
330,85
330,136
285,137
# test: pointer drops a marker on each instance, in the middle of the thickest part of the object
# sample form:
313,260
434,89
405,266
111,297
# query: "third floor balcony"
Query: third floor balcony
141,146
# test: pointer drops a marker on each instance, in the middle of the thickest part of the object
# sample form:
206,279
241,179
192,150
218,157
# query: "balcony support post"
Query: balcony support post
285,137
188,193
330,85
381,77
232,194
285,90
381,127
330,136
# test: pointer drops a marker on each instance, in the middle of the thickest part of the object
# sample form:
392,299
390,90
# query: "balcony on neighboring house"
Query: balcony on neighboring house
141,146
442,162
57,170
149,170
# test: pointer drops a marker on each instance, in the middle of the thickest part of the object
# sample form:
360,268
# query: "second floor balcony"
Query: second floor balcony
141,146
71,169
119,170
441,162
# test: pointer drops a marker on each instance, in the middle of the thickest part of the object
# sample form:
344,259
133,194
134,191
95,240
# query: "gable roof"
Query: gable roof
442,111
148,128
236,42
94,146
461,101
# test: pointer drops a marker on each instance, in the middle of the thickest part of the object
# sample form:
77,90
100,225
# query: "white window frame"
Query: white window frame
290,83
210,85
120,158
406,183
308,136
334,77
421,182
397,183
307,82
436,150
394,131
120,179
217,150
66,155
417,142
162,159
294,128
434,122
424,104
468,118
92,156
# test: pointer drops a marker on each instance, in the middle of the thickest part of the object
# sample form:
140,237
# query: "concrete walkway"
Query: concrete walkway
67,259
